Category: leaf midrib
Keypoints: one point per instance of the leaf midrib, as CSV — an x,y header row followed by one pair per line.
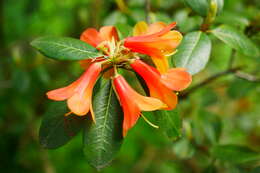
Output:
x,y
192,50
66,46
104,124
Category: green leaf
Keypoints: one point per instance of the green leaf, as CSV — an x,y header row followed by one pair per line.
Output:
x,y
234,154
183,148
208,126
202,6
210,169
169,122
193,53
103,139
124,30
237,20
236,40
220,4
64,48
199,6
56,129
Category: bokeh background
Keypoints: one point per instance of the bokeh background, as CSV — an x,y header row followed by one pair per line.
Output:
x,y
225,110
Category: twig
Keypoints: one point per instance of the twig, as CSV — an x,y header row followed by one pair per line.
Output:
x,y
209,80
247,76
147,10
232,59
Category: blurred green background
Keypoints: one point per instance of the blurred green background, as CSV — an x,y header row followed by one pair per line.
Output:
x,y
224,111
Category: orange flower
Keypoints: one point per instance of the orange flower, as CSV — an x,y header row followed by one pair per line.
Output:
x,y
95,38
133,103
79,93
156,40
161,86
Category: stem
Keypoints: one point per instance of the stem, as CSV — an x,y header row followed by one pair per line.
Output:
x,y
232,59
209,80
147,10
213,7
247,76
115,71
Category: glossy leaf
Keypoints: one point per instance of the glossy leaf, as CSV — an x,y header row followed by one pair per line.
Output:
x,y
234,153
56,129
236,40
169,122
64,48
103,139
193,53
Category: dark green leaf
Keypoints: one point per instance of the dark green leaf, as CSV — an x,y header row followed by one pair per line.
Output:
x,y
103,139
56,129
210,169
234,153
64,48
169,122
236,40
256,170
193,53
244,89
208,125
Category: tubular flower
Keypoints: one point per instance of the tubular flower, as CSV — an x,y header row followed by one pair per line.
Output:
x,y
161,85
93,37
79,93
156,40
133,103
101,39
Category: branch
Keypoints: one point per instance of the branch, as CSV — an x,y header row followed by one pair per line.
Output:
x,y
247,76
209,80
147,10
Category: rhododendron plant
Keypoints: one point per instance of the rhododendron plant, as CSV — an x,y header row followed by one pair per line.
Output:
x,y
144,55
157,41
151,86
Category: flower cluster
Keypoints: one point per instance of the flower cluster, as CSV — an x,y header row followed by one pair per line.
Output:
x,y
156,40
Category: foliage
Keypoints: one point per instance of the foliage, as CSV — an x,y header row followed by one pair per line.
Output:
x,y
216,127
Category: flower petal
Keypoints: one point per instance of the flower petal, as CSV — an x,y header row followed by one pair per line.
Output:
x,y
79,103
156,87
162,64
176,79
140,28
158,41
156,27
64,93
161,92
108,32
130,108
148,103
91,36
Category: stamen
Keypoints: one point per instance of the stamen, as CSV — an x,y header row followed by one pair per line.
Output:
x,y
67,114
149,122
115,71
172,53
